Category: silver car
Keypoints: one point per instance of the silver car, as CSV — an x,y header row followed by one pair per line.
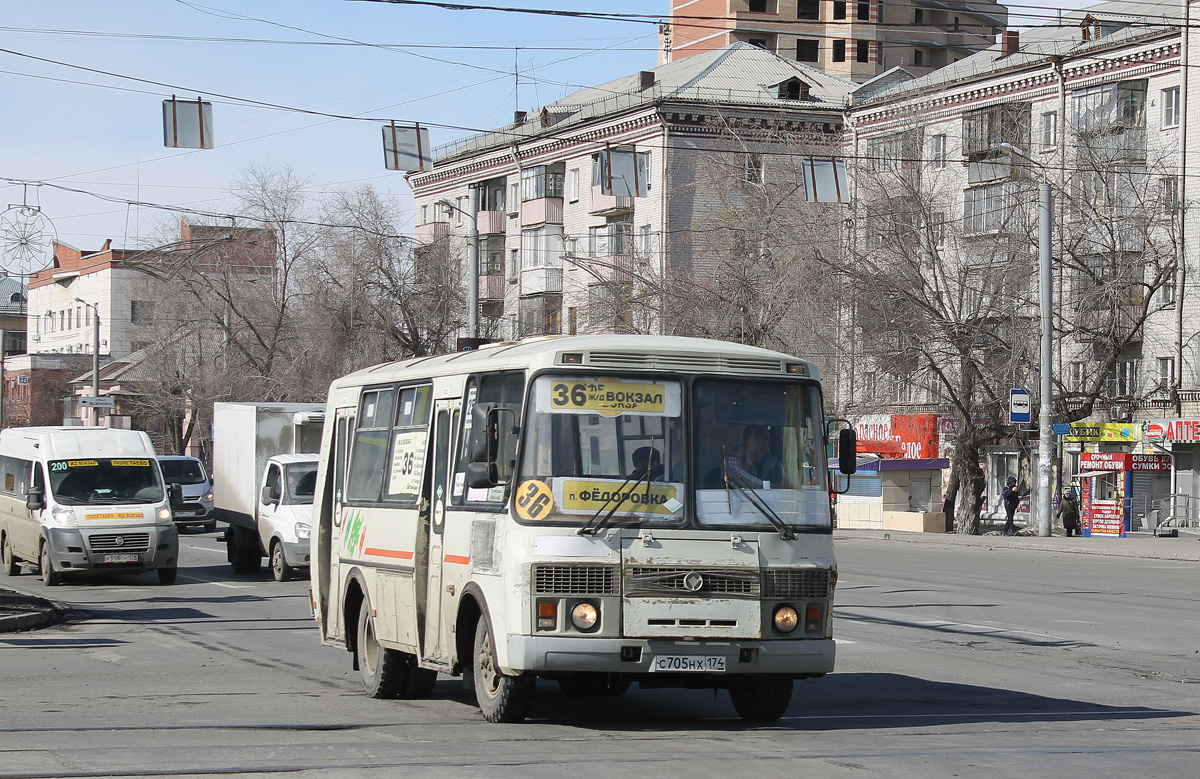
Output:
x,y
193,479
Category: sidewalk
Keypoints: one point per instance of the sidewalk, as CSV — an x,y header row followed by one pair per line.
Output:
x,y
19,611
1144,545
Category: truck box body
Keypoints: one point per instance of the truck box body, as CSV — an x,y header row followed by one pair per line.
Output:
x,y
244,436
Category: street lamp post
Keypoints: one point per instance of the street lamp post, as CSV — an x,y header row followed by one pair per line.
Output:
x,y
472,265
1045,302
95,350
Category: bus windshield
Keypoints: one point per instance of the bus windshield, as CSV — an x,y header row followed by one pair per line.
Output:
x,y
759,442
599,444
105,481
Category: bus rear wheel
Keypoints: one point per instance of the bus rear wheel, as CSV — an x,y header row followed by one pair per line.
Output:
x,y
761,698
501,698
383,670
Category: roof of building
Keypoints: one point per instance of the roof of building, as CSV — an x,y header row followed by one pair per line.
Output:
x,y
738,74
1121,21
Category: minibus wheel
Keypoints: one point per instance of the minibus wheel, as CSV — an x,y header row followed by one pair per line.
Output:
x,y
279,564
168,575
383,670
761,698
50,577
501,698
12,566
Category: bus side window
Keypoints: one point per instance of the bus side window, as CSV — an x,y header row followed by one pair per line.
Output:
x,y
507,390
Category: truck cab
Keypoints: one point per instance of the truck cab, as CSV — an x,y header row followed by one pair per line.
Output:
x,y
284,513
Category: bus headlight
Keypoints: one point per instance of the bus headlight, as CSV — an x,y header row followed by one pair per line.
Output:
x,y
164,514
786,619
585,616
63,516
303,531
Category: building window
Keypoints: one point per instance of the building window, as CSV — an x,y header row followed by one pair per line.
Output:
x,y
573,184
864,11
1168,194
1048,130
985,208
759,6
612,239
645,240
1077,376
141,311
984,129
492,262
839,9
1170,107
761,43
458,210
1122,382
753,169
919,16
424,215
1166,372
808,9
542,181
918,57
864,51
1111,106
541,315
937,153
541,248
808,50
839,50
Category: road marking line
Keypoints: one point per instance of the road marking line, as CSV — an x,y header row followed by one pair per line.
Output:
x,y
206,549
219,584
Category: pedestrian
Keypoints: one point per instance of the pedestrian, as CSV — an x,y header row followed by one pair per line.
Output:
x,y
1011,498
1068,512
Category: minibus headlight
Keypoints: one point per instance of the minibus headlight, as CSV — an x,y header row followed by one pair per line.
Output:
x,y
208,497
164,514
303,531
786,619
63,516
585,616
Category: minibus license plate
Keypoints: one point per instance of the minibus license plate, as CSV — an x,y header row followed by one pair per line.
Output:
x,y
688,663
120,558
184,514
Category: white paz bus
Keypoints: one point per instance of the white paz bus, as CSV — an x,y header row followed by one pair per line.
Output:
x,y
594,510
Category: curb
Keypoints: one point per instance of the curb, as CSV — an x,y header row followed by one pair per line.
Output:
x,y
1182,548
19,611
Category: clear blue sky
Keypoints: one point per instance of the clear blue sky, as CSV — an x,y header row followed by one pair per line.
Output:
x,y
69,128
102,134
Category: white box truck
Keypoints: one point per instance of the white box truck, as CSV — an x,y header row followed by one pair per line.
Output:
x,y
261,454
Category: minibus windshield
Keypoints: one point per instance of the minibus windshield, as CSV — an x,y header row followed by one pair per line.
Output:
x,y
105,481
183,471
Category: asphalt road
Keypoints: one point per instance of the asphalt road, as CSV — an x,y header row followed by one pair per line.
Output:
x,y
953,661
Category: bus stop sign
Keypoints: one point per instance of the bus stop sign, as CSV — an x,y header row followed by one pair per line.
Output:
x,y
1019,407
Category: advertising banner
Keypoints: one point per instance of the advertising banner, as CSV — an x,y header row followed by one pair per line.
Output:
x,y
903,436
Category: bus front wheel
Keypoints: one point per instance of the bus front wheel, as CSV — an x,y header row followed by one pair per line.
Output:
x,y
50,577
501,698
761,698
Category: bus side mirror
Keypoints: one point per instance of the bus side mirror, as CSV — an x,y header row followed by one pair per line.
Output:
x,y
847,456
34,499
485,434
482,475
175,495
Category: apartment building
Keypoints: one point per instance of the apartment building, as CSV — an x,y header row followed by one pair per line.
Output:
x,y
855,39
1094,108
583,210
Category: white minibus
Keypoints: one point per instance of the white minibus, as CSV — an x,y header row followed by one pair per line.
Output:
x,y
593,510
84,499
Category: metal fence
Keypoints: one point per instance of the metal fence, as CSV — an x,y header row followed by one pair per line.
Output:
x,y
1172,511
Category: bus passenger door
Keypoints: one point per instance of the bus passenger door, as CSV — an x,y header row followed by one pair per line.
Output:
x,y
434,648
331,567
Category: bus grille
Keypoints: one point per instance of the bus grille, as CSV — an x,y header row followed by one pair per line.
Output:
x,y
685,362
797,583
119,542
575,580
646,581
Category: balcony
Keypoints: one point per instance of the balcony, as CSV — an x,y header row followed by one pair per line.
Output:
x,y
1108,325
491,287
490,222
609,205
614,267
430,232
537,281
543,210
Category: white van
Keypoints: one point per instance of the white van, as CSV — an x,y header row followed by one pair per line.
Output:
x,y
285,511
78,499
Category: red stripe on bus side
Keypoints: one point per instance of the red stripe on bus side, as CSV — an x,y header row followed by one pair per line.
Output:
x,y
457,558
389,553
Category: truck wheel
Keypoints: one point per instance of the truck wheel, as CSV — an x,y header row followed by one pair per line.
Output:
x,y
50,577
761,698
279,566
12,566
501,698
242,550
168,575
383,670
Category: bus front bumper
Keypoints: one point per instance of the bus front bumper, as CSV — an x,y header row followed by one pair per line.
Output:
x,y
139,548
562,654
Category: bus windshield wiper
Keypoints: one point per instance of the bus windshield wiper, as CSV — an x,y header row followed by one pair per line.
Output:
x,y
750,493
598,523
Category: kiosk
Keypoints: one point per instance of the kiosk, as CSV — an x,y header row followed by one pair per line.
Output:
x,y
1107,487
